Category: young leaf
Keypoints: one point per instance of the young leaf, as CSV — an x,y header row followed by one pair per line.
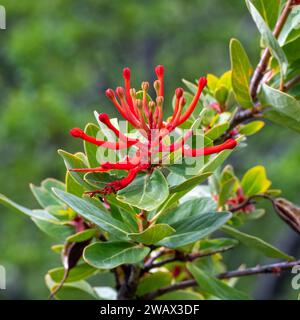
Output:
x,y
72,186
153,234
108,255
89,148
214,286
256,243
255,181
251,128
195,228
147,191
226,190
268,37
216,131
241,72
73,162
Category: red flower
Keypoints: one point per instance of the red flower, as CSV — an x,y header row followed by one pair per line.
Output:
x,y
147,117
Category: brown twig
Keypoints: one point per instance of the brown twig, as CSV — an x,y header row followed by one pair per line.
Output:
x,y
291,83
249,201
155,256
184,257
275,268
263,63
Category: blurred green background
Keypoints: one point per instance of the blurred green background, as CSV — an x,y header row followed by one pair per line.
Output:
x,y
57,58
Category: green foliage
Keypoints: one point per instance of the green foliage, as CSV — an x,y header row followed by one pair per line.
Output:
x,y
164,212
241,72
108,255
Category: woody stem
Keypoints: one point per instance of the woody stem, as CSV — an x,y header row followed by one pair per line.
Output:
x,y
274,268
263,63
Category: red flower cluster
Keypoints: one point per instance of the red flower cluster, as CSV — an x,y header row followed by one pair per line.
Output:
x,y
147,117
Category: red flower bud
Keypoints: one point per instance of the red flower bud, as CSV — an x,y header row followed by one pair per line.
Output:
x,y
159,70
179,92
126,73
110,94
120,92
77,133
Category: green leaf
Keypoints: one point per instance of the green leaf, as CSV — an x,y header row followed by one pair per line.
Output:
x,y
283,120
189,184
292,22
37,214
72,186
74,162
108,255
82,235
195,228
43,196
216,131
214,286
50,183
153,234
212,82
251,127
255,181
93,214
280,101
154,281
80,272
80,290
181,295
56,231
207,170
99,180
221,94
241,72
89,148
256,243
147,191
188,209
226,191
209,245
268,37
269,10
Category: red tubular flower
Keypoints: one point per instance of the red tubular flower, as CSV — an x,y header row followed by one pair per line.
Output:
x,y
201,84
159,70
145,115
103,117
228,144
78,133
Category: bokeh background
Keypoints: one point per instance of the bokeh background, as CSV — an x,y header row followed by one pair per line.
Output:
x,y
56,59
